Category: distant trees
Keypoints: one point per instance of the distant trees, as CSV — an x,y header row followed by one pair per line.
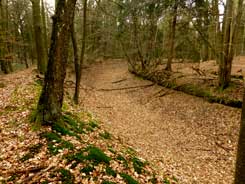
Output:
x,y
51,98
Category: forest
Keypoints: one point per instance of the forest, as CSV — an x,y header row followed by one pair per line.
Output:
x,y
122,91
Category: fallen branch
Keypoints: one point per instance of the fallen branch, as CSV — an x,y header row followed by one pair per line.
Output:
x,y
28,170
125,88
38,175
198,71
223,147
104,107
118,81
164,94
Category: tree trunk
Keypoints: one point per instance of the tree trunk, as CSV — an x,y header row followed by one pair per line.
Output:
x,y
39,37
79,71
44,23
5,66
240,162
172,36
230,33
76,63
51,99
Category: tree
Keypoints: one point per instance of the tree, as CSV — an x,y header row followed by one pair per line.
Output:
x,y
230,31
172,26
39,36
240,162
5,59
78,67
51,99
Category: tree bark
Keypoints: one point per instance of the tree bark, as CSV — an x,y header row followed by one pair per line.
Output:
x,y
44,23
230,33
5,65
79,71
39,37
240,162
76,63
172,36
49,106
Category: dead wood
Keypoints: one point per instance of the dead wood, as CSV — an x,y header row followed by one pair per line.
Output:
x,y
192,89
37,175
125,88
118,81
223,147
28,170
198,71
104,107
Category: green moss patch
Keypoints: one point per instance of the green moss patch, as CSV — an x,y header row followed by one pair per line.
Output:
x,y
138,165
110,171
32,151
105,135
128,179
66,176
87,169
56,143
123,160
97,155
107,182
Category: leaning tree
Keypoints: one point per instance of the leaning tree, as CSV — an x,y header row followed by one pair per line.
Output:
x,y
51,99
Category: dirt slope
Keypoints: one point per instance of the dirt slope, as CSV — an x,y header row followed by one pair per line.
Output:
x,y
186,136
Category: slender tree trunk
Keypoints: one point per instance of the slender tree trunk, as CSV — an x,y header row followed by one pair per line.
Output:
x,y
39,37
172,36
4,64
78,73
76,63
230,35
51,99
44,23
240,161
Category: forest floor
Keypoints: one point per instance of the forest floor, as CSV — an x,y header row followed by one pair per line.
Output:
x,y
183,135
75,150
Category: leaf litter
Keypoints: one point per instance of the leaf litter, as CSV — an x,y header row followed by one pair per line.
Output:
x,y
84,151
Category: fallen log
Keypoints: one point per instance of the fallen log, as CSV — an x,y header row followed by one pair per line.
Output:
x,y
187,88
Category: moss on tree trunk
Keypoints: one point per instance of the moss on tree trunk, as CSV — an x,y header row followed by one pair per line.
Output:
x,y
51,98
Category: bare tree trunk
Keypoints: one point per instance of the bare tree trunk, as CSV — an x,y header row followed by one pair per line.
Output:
x,y
240,161
172,36
44,23
39,37
51,99
229,38
79,71
76,63
5,65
